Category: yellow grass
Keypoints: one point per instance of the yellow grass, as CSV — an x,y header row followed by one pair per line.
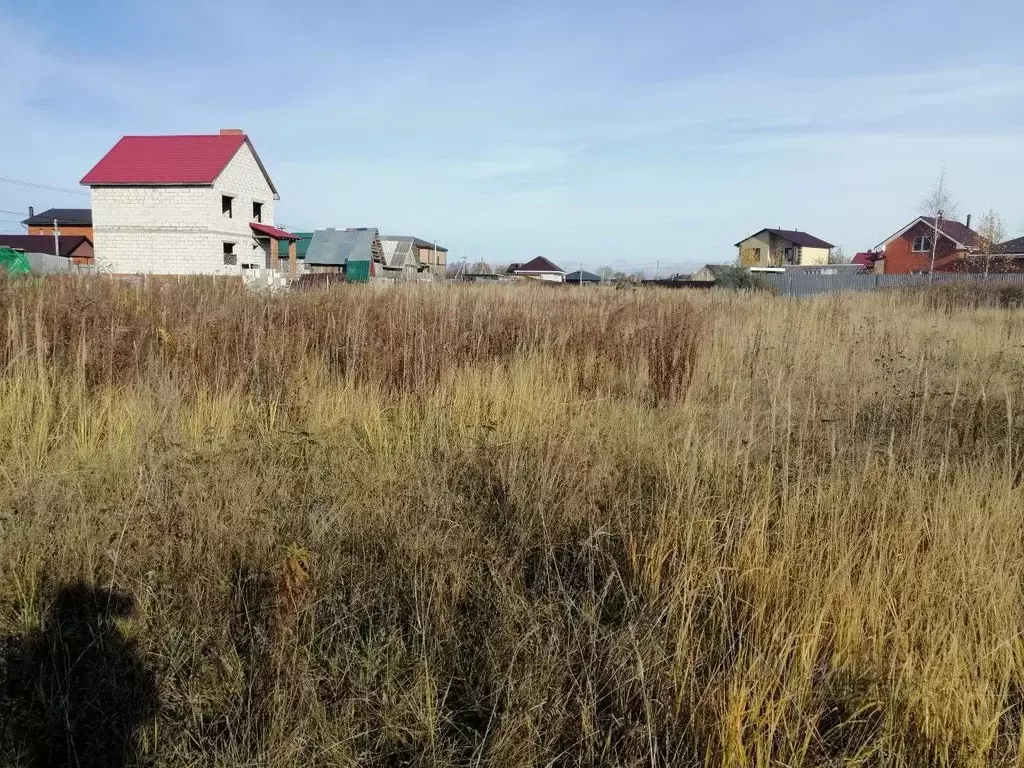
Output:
x,y
522,527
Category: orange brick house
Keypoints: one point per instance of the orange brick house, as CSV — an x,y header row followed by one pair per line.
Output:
x,y
73,222
909,251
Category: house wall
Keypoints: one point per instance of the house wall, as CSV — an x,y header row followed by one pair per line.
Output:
x,y
813,256
901,260
433,258
181,230
745,248
547,277
243,180
69,231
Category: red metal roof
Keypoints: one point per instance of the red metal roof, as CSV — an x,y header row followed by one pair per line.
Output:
x,y
274,232
866,258
166,160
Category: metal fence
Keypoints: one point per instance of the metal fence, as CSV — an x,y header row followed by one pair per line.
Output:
x,y
790,284
48,264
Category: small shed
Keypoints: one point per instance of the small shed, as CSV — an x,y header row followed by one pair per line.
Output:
x,y
352,252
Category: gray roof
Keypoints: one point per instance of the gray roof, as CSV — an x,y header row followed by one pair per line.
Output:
x,y
587,277
1010,247
333,247
418,242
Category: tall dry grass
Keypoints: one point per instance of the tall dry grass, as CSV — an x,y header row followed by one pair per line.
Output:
x,y
479,525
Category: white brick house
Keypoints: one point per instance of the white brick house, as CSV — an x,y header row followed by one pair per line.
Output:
x,y
184,205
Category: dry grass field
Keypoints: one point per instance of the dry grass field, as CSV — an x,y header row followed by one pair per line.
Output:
x,y
508,526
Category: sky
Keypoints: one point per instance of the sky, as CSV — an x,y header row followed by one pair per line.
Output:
x,y
650,135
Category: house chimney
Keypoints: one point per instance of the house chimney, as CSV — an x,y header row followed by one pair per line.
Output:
x,y
968,221
31,211
232,132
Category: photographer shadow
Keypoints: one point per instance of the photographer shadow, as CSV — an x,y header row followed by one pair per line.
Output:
x,y
77,692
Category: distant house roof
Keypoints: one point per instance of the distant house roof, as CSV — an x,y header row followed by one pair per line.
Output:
x,y
1010,247
43,243
169,160
418,242
867,258
539,264
334,247
716,270
961,235
582,276
66,217
274,232
795,236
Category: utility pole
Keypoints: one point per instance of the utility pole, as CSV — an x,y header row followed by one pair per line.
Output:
x,y
581,273
657,269
56,238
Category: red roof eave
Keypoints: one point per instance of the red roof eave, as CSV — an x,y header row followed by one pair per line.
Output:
x,y
274,232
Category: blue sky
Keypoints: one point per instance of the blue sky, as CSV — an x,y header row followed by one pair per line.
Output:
x,y
602,133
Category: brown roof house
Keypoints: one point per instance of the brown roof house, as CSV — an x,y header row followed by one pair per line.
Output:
x,y
908,251
1003,258
783,247
538,269
47,253
66,221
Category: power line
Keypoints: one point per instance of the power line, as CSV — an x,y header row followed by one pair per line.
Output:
x,y
47,187
13,213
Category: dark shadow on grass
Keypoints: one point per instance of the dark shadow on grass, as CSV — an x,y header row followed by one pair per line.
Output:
x,y
76,691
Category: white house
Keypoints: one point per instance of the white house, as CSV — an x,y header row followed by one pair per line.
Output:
x,y
199,205
539,269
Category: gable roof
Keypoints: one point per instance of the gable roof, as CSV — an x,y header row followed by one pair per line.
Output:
x,y
581,275
716,270
418,242
1014,247
43,243
269,231
539,264
66,217
169,160
332,247
961,235
400,252
795,236
866,258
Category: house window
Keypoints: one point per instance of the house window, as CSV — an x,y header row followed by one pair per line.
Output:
x,y
922,244
226,202
230,257
788,253
257,211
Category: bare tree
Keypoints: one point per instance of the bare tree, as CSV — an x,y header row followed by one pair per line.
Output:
x,y
939,204
607,274
991,231
838,256
481,268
